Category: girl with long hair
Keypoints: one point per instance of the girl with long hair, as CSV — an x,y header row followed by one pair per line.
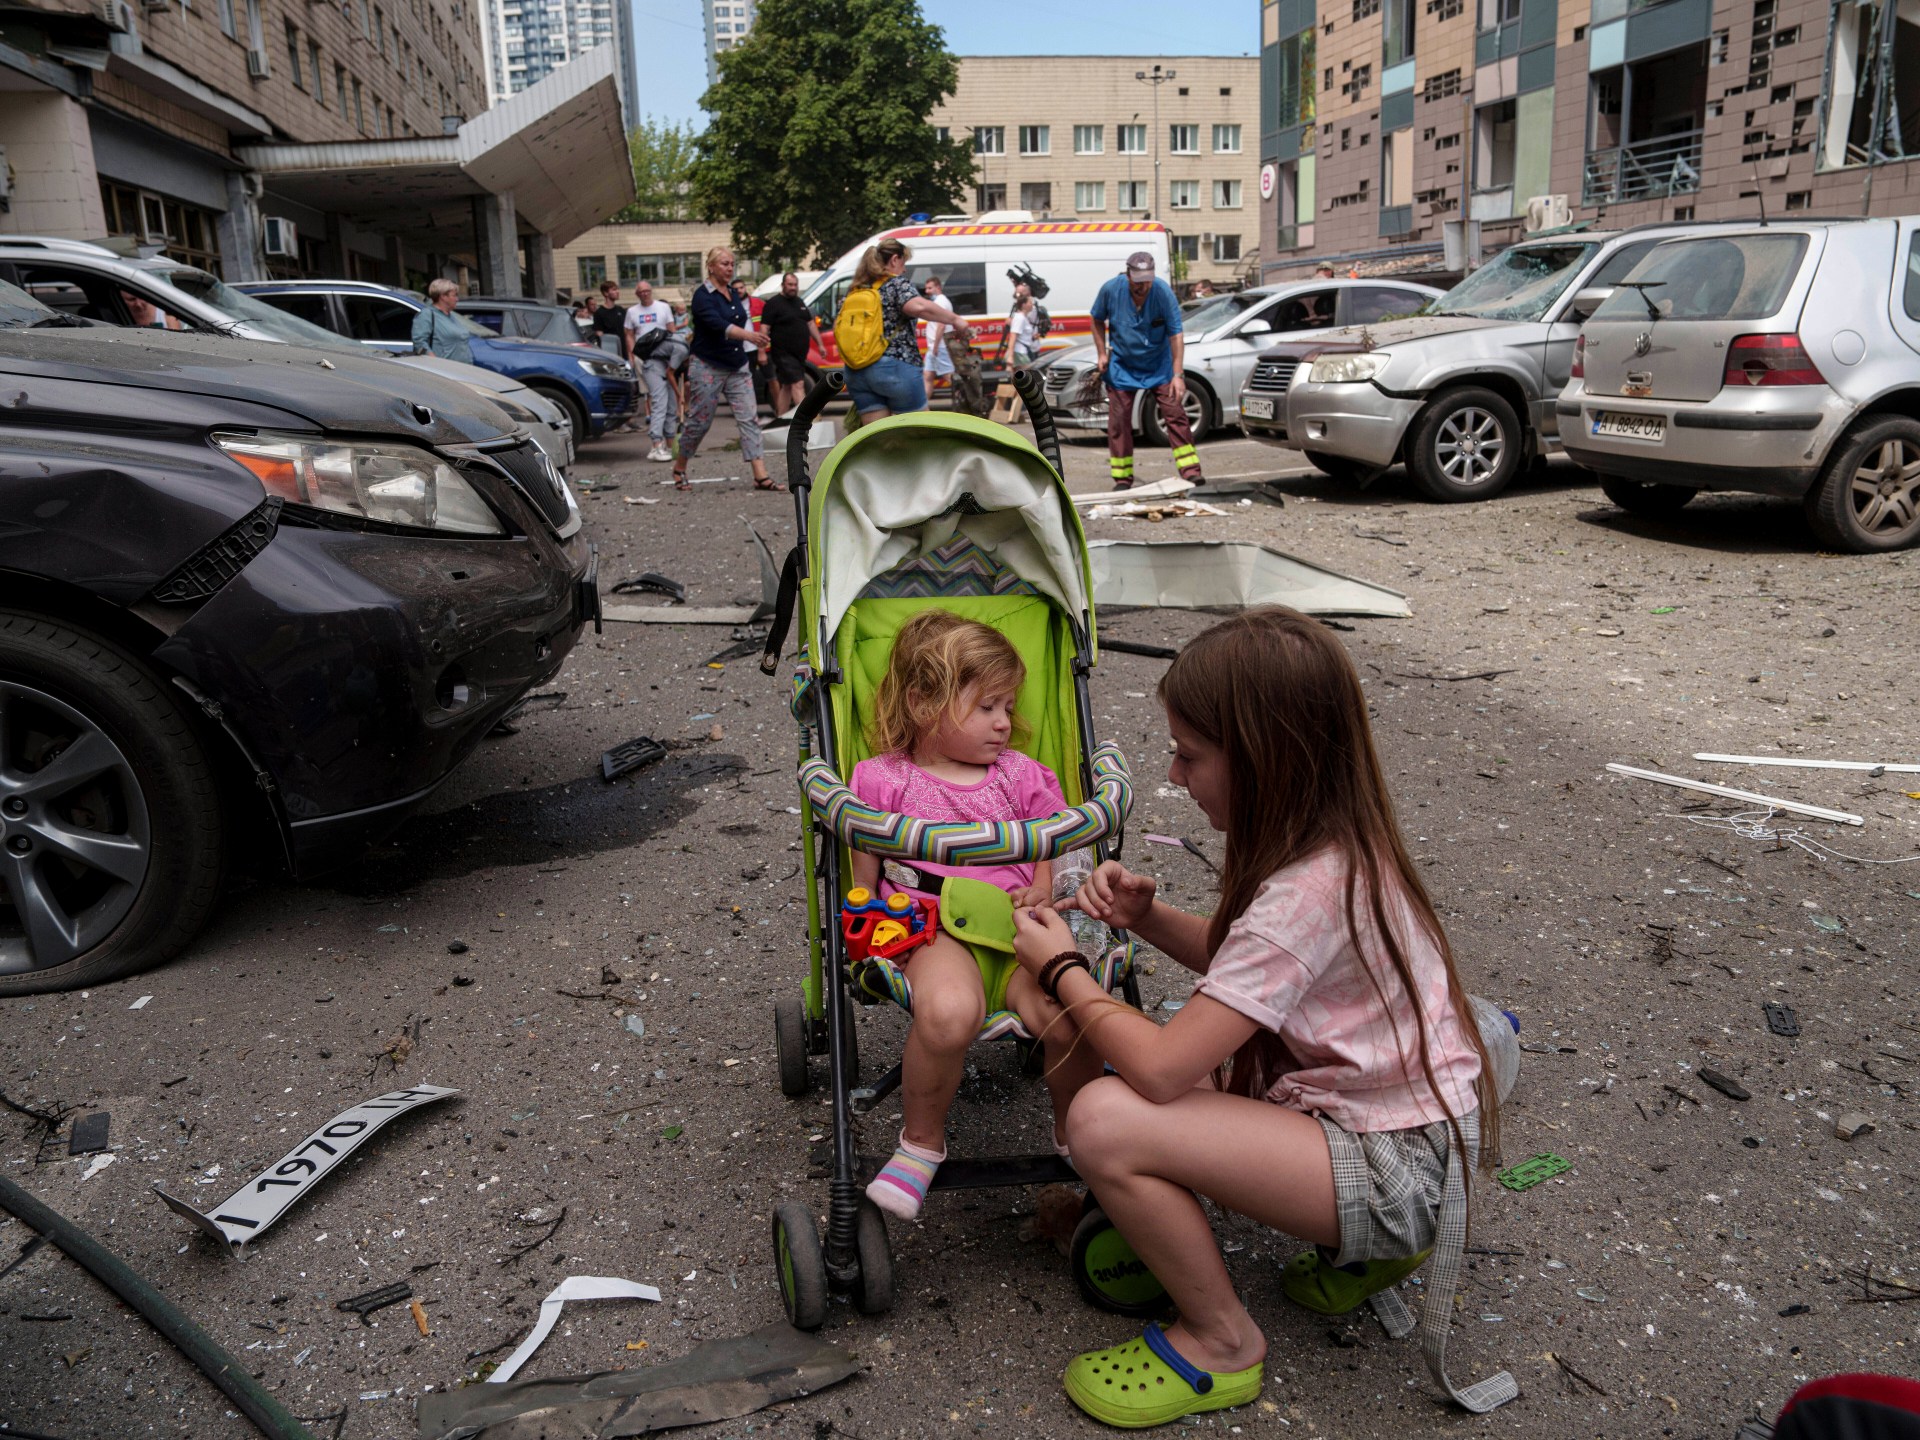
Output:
x,y
1327,1078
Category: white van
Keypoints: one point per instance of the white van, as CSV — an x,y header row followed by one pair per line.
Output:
x,y
971,259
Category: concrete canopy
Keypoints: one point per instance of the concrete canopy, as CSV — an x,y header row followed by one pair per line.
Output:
x,y
559,148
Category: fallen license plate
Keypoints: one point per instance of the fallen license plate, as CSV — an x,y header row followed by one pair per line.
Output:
x,y
1256,409
1630,427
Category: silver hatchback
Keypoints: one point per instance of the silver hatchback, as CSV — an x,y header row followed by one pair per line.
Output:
x,y
1783,360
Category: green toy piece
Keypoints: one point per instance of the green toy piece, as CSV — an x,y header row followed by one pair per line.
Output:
x,y
1529,1173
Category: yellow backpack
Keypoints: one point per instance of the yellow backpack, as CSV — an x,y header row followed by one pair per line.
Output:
x,y
860,329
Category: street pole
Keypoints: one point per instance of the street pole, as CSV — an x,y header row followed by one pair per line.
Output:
x,y
1156,78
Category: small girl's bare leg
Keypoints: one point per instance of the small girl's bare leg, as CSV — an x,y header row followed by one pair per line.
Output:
x,y
948,1006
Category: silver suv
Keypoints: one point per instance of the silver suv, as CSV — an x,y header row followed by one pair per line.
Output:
x,y
1465,391
1782,359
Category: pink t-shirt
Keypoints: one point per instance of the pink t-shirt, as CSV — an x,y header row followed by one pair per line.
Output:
x,y
1290,964
1017,787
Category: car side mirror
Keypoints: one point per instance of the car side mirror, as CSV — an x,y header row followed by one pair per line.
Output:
x,y
1585,302
1259,325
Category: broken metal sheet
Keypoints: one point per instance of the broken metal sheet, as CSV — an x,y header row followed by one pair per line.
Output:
x,y
1158,490
720,1380
680,614
574,1287
1153,510
265,1198
1727,792
1229,574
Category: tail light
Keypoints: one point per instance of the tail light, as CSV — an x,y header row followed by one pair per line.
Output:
x,y
1770,360
1580,358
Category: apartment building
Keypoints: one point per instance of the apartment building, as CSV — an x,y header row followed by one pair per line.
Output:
x,y
524,40
1382,120
1085,137
727,23
264,138
670,255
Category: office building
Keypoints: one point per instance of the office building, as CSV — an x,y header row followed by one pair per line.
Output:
x,y
727,23
524,40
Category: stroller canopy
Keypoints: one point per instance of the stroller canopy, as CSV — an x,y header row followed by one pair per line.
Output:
x,y
914,485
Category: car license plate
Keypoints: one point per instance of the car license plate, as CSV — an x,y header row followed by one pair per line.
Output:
x,y
1256,409
1630,427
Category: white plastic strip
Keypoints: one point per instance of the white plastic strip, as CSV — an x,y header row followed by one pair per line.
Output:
x,y
574,1287
265,1198
1795,763
1839,817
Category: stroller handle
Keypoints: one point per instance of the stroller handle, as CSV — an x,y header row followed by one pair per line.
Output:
x,y
1033,394
798,434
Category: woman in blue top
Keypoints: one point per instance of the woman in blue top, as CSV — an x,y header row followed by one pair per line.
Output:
x,y
437,330
722,335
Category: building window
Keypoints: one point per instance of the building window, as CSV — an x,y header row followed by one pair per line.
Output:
x,y
1865,120
1183,194
228,26
1133,139
1133,195
340,84
1494,13
1363,8
1226,139
593,269
293,57
628,270
1036,197
1226,194
1183,139
1089,139
380,29
313,69
990,197
1399,31
941,134
1089,194
185,231
1226,249
359,110
1295,64
990,140
1036,140
1185,247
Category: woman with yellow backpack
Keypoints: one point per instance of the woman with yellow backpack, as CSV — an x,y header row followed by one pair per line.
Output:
x,y
878,339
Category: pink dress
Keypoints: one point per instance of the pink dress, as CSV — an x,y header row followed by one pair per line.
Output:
x,y
1291,965
1017,787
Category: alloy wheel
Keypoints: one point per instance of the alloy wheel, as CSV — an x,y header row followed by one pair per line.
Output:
x,y
1470,445
1885,493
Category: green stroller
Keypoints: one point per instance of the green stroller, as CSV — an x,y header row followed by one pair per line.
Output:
x,y
916,511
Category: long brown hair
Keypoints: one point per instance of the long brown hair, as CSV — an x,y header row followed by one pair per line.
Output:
x,y
1277,694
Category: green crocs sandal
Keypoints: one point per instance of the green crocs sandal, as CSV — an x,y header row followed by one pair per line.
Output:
x,y
1311,1280
1147,1382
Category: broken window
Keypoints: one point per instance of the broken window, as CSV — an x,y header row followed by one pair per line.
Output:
x,y
1872,84
1644,127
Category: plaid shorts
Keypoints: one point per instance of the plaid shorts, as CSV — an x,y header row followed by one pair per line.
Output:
x,y
1388,1186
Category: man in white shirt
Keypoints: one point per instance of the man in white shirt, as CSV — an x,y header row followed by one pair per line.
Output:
x,y
933,335
643,320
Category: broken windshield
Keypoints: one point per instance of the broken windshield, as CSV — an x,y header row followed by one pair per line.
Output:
x,y
19,310
1520,284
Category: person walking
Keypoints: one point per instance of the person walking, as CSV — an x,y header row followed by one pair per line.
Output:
x,y
1137,339
933,340
722,335
891,385
436,331
609,321
648,330
792,329
1020,339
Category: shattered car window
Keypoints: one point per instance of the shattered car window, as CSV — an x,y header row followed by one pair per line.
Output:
x,y
1731,277
19,310
1521,284
237,305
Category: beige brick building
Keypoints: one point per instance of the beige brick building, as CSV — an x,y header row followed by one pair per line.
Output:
x,y
669,254
1076,138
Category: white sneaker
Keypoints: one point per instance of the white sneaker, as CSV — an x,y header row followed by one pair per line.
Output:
x,y
659,452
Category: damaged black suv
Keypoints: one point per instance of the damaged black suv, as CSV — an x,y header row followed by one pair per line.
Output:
x,y
251,598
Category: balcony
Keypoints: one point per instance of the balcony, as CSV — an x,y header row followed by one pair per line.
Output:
x,y
1648,169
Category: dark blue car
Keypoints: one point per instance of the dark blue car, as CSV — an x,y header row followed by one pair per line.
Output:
x,y
593,388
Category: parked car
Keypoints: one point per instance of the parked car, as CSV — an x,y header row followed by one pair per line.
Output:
x,y
525,319
1464,393
253,604
1783,360
86,280
593,389
1223,335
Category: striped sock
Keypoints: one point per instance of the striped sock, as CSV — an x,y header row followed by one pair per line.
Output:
x,y
901,1186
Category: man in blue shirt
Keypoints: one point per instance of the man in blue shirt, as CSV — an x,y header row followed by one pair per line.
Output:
x,y
1136,334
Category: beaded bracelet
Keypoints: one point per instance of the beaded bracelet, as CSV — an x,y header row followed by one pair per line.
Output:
x,y
1056,971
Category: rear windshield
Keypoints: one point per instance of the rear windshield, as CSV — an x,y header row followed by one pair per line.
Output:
x,y
1720,277
1520,284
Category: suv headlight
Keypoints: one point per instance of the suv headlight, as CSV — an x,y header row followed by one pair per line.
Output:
x,y
1348,369
395,484
606,369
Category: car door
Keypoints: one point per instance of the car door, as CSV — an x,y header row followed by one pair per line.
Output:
x,y
1556,356
379,321
76,290
1371,304
1262,325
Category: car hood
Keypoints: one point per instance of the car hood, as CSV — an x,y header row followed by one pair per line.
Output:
x,y
520,345
1397,333
334,392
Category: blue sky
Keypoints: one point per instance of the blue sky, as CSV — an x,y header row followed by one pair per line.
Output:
x,y
674,70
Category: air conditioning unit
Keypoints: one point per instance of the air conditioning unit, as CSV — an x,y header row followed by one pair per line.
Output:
x,y
257,65
278,239
1548,212
118,14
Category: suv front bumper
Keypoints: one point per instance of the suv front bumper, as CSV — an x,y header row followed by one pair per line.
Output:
x,y
1353,422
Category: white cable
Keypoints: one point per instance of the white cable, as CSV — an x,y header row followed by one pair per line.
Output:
x,y
1756,825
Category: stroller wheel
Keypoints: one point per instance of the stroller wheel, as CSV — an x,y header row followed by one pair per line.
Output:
x,y
801,1266
874,1293
790,1043
1107,1271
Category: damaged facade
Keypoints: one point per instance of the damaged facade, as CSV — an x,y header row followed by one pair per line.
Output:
x,y
1381,120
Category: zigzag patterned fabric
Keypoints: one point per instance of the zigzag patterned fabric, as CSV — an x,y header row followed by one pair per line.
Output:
x,y
881,977
959,567
973,842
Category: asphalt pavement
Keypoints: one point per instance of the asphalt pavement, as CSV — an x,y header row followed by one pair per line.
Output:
x,y
594,965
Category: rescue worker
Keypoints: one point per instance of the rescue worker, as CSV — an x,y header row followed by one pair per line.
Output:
x,y
1136,335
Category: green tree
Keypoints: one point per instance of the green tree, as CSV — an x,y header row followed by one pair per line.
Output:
x,y
662,154
818,133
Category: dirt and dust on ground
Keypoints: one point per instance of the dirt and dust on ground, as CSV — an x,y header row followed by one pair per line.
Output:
x,y
1702,1257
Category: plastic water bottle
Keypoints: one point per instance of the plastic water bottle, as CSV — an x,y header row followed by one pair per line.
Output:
x,y
1499,1032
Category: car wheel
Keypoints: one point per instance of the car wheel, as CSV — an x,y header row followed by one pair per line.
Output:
x,y
1199,405
1641,497
110,824
575,412
1465,446
1338,467
1869,498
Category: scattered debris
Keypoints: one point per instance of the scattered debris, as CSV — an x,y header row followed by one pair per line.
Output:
x,y
366,1303
630,755
1683,1096
636,1027
1529,1173
97,1164
1153,511
1573,1374
1377,535
1199,574
719,1380
1792,1310
1267,492
89,1134
141,1003
652,584
545,1235
1781,1020
34,1242
1725,1084
1129,647
1170,489
1839,817
420,1317
1853,1124
574,1287
247,1212
1476,675
457,947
